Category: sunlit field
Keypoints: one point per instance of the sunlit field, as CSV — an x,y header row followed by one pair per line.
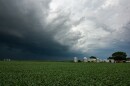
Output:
x,y
27,73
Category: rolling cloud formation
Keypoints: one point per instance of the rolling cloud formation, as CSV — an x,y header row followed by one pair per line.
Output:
x,y
59,29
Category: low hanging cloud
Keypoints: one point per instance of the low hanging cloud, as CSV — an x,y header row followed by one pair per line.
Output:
x,y
57,29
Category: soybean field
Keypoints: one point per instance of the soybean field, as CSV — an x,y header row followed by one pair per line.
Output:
x,y
32,73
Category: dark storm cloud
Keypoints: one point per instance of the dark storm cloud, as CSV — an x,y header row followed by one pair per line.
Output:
x,y
22,33
57,29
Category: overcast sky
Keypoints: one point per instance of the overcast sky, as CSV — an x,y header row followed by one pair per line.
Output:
x,y
62,29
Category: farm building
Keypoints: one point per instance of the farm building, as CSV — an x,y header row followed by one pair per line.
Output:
x,y
7,59
98,60
75,59
111,60
85,59
128,59
106,60
120,61
92,60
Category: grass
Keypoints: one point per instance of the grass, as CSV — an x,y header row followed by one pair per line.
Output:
x,y
27,73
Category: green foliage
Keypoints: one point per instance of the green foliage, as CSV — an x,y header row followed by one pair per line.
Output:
x,y
110,57
79,61
119,55
93,57
63,74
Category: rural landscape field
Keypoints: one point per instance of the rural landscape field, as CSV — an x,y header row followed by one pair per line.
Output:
x,y
31,73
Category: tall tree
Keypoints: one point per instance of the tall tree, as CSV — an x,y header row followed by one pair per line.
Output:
x,y
119,55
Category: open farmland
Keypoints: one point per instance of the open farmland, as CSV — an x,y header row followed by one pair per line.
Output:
x,y
27,73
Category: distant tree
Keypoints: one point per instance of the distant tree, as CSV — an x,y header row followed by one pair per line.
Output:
x,y
79,61
93,57
119,55
110,58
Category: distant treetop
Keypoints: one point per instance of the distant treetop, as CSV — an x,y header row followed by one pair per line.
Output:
x,y
93,57
119,55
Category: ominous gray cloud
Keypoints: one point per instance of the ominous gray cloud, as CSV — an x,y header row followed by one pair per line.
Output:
x,y
24,33
60,29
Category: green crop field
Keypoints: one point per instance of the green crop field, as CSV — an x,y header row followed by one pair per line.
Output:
x,y
27,73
